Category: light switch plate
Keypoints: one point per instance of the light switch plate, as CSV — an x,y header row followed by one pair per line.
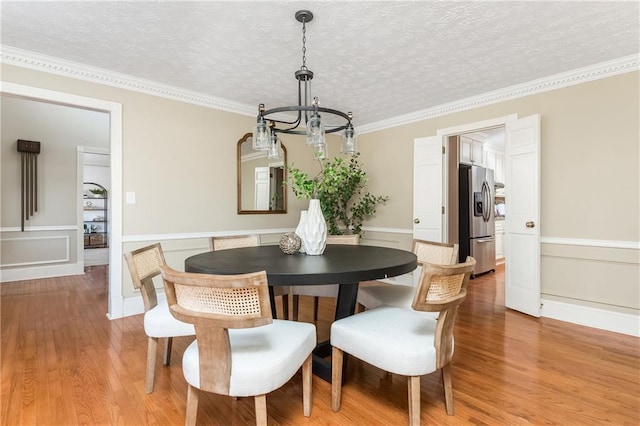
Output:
x,y
131,197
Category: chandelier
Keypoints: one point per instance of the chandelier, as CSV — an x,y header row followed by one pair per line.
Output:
x,y
265,133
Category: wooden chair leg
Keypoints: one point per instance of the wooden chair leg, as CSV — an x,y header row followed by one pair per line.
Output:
x,y
448,388
307,387
167,351
192,406
336,378
152,347
414,400
261,410
315,308
296,301
285,306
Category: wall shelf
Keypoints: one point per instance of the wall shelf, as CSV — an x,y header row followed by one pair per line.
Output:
x,y
95,220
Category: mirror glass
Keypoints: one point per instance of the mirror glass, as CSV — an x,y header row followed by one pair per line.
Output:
x,y
260,180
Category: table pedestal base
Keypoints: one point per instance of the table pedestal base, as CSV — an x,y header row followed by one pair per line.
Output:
x,y
345,306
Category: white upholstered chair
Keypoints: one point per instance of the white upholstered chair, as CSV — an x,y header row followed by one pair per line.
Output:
x,y
144,264
372,294
239,349
317,291
404,341
237,241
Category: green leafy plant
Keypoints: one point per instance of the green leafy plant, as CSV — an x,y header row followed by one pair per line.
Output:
x,y
340,187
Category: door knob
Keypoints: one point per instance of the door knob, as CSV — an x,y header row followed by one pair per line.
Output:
x,y
416,220
530,224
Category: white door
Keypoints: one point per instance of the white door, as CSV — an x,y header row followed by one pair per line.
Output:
x,y
427,188
262,188
522,238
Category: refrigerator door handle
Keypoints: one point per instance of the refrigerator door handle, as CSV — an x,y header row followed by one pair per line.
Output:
x,y
486,201
484,240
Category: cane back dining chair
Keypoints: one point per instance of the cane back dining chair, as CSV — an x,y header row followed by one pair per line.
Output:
x,y
237,241
317,291
403,341
372,294
240,350
144,264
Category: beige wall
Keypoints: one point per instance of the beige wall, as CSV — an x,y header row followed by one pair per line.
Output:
x,y
180,160
590,182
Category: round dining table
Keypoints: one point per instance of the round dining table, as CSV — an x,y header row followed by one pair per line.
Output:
x,y
345,265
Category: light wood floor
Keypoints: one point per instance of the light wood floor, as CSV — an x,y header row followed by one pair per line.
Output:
x,y
65,363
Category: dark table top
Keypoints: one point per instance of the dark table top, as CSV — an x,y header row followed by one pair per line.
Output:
x,y
338,264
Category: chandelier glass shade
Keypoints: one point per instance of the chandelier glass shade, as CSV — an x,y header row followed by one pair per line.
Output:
x,y
308,114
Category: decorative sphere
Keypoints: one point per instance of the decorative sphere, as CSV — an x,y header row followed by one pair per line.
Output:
x,y
290,243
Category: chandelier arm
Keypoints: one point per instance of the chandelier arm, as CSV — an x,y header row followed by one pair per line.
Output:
x,y
294,123
300,108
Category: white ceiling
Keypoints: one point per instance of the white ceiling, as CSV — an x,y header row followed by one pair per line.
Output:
x,y
377,59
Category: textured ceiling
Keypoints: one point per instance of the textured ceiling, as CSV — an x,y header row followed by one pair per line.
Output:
x,y
377,59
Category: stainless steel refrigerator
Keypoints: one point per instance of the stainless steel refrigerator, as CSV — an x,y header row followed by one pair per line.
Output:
x,y
476,217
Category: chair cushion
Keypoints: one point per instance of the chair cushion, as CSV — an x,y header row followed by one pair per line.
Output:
x,y
262,358
394,339
386,294
159,322
326,290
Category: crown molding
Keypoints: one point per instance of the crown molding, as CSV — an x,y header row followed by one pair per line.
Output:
x,y
35,61
581,75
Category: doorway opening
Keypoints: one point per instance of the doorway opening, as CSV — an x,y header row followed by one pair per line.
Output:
x,y
96,193
477,149
116,301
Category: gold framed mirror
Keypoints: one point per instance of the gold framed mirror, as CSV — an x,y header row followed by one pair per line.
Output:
x,y
260,180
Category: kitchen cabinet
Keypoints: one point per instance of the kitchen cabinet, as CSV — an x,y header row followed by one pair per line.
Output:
x,y
471,151
95,215
494,159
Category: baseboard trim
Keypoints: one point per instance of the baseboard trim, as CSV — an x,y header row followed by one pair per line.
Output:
x,y
592,317
34,273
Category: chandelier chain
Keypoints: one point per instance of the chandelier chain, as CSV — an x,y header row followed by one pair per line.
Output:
x,y
304,46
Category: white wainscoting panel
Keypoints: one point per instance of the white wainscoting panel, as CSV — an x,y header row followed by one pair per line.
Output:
x,y
34,250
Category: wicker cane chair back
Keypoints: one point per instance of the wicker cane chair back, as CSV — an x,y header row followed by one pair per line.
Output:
x,y
437,253
223,243
353,240
224,301
144,264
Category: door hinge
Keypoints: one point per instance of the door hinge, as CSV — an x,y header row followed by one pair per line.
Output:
x,y
442,149
442,209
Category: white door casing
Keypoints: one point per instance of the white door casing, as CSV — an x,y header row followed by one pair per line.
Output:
x,y
522,238
427,188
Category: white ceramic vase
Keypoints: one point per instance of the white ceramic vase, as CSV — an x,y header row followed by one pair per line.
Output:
x,y
314,230
300,229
